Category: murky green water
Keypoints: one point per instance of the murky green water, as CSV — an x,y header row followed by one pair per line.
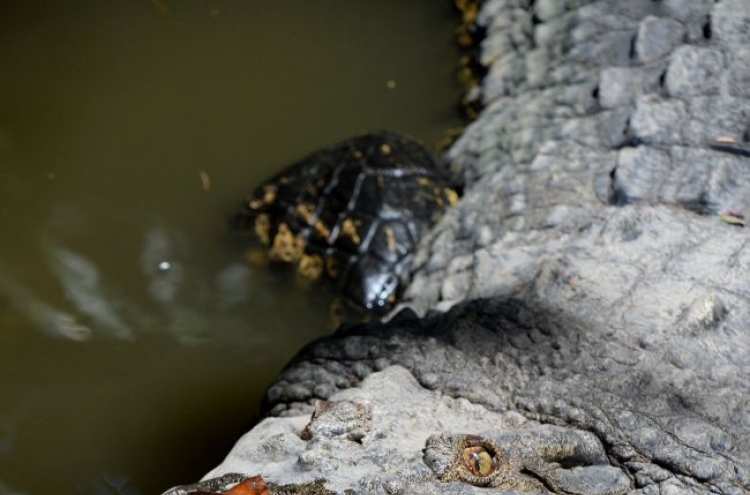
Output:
x,y
135,342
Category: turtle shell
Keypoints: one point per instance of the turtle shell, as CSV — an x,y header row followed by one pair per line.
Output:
x,y
353,213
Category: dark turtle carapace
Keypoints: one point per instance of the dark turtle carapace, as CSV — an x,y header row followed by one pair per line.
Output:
x,y
353,213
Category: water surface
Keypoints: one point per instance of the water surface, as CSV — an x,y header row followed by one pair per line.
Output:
x,y
135,339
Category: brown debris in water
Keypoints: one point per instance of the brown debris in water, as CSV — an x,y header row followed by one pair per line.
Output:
x,y
205,180
162,8
448,137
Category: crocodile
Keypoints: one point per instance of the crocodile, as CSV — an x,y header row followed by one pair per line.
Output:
x,y
578,322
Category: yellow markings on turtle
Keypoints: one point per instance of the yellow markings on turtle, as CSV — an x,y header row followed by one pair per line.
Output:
x,y
479,461
349,229
423,181
451,196
358,154
310,266
269,194
470,107
464,37
466,75
461,4
390,238
332,267
262,228
322,229
385,149
255,204
448,137
436,196
305,211
286,246
469,10
285,179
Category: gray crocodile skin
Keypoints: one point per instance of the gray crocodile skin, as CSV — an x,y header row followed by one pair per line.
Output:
x,y
595,278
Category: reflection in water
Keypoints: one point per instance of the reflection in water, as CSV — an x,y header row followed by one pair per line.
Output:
x,y
7,436
172,293
114,484
9,430
82,286
233,286
43,316
165,275
6,490
129,132
9,422
117,317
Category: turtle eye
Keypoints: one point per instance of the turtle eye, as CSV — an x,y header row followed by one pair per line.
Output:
x,y
479,461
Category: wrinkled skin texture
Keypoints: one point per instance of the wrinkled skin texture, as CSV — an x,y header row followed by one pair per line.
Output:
x,y
637,412
597,339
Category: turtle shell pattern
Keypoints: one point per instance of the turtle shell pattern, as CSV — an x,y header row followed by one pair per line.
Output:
x,y
353,213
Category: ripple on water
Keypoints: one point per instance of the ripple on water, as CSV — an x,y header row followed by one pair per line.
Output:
x,y
136,341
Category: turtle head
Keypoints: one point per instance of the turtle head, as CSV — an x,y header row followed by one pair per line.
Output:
x,y
372,286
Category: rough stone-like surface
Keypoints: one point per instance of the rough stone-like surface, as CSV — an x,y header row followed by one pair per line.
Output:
x,y
387,455
591,285
591,106
609,403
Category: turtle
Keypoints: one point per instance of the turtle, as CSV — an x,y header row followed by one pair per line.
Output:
x,y
352,213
